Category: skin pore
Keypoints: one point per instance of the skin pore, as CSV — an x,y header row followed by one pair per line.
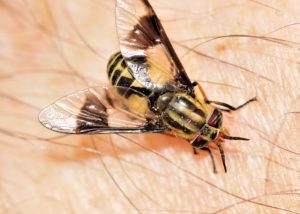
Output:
x,y
236,49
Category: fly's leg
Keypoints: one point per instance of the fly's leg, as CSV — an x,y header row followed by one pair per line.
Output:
x,y
210,154
200,89
226,106
222,156
195,151
211,157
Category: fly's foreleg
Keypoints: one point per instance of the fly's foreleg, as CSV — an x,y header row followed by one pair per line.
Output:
x,y
221,105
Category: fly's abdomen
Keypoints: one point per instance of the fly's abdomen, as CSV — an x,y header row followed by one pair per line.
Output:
x,y
184,116
117,70
136,96
120,76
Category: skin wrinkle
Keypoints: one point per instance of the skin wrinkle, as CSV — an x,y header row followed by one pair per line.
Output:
x,y
54,48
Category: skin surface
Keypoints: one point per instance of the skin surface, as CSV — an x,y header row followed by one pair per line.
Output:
x,y
52,48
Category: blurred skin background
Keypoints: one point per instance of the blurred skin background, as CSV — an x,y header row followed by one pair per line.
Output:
x,y
236,49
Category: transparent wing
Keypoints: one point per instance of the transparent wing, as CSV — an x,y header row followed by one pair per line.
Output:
x,y
147,49
95,110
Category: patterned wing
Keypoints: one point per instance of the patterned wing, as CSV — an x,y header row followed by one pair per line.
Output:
x,y
147,49
95,111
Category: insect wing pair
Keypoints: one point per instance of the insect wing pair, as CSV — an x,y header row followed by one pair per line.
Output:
x,y
153,62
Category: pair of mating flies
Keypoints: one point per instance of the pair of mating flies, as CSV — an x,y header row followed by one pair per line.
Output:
x,y
150,91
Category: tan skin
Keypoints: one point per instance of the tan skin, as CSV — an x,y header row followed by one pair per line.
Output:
x,y
50,49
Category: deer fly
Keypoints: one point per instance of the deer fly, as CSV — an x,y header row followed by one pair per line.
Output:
x,y
149,92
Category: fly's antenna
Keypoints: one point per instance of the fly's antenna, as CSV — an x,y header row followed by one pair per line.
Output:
x,y
232,137
227,137
222,156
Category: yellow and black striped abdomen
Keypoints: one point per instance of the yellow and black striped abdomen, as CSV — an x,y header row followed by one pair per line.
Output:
x,y
117,70
137,96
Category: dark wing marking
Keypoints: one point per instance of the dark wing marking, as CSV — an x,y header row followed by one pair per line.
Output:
x,y
147,49
94,111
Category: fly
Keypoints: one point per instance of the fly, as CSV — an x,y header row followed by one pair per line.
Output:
x,y
149,91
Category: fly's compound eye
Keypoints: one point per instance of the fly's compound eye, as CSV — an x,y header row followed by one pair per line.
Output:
x,y
199,142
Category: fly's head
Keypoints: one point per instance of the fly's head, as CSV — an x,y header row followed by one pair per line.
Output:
x,y
209,131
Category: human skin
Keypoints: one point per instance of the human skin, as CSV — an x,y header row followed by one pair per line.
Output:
x,y
52,48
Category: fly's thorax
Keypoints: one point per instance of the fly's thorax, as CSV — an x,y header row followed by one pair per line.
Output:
x,y
182,114
163,101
